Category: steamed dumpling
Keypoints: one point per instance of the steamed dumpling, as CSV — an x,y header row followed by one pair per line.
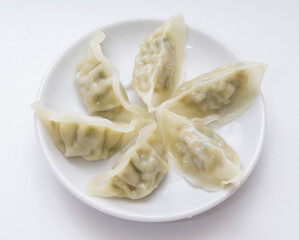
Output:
x,y
98,85
160,64
138,171
92,138
200,155
220,95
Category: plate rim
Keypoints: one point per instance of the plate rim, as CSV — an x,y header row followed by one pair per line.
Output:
x,y
86,199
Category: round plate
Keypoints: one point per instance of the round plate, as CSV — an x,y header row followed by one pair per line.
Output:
x,y
174,198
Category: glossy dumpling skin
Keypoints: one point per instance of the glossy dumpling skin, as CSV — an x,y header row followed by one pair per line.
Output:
x,y
160,64
200,155
138,171
92,138
220,95
98,85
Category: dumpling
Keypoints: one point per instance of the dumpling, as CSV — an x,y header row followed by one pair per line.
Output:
x,y
220,95
98,85
137,172
92,138
200,155
160,64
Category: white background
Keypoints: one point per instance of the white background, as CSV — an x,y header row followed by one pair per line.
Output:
x,y
34,205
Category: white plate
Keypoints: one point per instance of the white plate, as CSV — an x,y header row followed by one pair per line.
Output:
x,y
174,198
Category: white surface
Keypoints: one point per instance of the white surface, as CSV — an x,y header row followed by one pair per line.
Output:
x,y
34,205
175,198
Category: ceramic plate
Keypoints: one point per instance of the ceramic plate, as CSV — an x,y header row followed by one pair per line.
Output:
x,y
174,198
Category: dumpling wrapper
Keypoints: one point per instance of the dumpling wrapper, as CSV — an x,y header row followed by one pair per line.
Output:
x,y
92,138
220,95
160,64
137,172
98,85
200,155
